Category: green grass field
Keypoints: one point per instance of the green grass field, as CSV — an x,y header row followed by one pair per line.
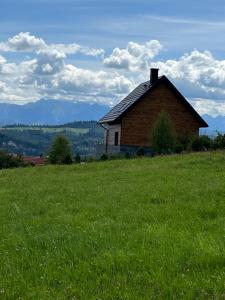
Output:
x,y
124,229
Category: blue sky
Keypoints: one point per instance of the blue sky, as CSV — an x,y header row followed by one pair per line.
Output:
x,y
179,27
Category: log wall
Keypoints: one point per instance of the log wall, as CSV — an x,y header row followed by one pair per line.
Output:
x,y
137,123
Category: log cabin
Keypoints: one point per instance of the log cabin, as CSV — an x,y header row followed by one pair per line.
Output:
x,y
128,125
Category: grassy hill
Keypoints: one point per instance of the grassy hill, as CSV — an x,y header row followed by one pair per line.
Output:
x,y
123,229
36,140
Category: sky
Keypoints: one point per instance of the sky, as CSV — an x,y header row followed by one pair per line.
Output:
x,y
98,51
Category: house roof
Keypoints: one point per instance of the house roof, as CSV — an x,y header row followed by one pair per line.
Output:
x,y
34,160
118,111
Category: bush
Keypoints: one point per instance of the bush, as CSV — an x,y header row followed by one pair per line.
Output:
x,y
179,148
219,141
60,152
140,152
8,161
184,142
77,158
202,143
162,136
104,157
127,155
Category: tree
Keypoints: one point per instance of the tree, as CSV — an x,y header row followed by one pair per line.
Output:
x,y
162,135
202,143
60,152
219,141
9,161
77,158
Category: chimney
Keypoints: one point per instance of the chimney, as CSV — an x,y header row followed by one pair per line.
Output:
x,y
154,75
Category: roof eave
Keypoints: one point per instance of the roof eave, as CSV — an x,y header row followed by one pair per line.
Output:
x,y
105,121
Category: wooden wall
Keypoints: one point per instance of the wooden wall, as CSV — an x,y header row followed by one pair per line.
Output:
x,y
136,125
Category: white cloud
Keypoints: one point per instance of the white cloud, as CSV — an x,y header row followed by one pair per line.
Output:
x,y
2,60
49,61
210,107
196,72
198,75
26,42
76,48
135,57
48,75
2,86
90,85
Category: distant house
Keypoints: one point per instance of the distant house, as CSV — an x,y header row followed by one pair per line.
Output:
x,y
34,160
128,125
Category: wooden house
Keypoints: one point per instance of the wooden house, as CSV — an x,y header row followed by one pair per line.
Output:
x,y
128,125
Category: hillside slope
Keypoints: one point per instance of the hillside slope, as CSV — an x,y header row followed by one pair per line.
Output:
x,y
36,140
124,229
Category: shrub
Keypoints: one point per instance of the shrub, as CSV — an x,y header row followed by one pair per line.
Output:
x,y
77,158
178,147
162,135
219,141
8,161
68,159
127,155
104,157
60,152
91,159
140,152
184,142
202,143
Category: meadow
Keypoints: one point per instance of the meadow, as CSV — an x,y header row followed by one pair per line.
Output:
x,y
123,229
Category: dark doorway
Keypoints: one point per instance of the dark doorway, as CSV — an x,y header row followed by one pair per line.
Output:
x,y
116,138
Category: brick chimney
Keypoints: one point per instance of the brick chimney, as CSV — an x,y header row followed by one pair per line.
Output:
x,y
154,75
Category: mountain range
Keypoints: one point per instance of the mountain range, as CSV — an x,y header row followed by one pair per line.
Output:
x,y
58,112
50,112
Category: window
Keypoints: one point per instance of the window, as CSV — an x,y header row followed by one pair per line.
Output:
x,y
116,138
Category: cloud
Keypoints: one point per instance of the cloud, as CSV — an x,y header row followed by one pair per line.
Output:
x,y
135,57
197,72
210,107
49,61
25,42
76,48
91,85
2,60
49,74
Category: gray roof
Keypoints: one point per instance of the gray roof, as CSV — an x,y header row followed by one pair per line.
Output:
x,y
128,101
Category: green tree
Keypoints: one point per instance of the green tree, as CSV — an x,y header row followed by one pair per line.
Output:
x,y
8,161
202,143
60,152
219,141
162,135
77,158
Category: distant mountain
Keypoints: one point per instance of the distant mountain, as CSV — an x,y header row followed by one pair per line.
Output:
x,y
58,112
51,112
